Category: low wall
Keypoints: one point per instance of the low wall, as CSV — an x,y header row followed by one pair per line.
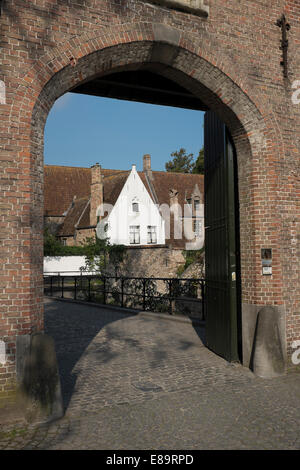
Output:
x,y
68,265
138,262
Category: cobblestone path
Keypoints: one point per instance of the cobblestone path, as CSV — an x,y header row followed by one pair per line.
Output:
x,y
143,382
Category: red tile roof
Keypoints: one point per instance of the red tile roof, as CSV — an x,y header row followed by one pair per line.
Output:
x,y
61,184
78,209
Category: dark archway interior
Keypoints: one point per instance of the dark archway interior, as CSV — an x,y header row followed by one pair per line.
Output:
x,y
142,86
157,83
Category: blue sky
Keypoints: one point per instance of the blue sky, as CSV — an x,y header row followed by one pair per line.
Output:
x,y
82,130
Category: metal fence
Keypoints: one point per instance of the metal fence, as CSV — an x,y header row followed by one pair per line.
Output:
x,y
166,295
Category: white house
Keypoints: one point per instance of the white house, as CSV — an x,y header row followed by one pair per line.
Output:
x,y
134,219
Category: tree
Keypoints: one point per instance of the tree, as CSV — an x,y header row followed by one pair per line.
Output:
x,y
181,163
99,253
199,163
95,254
52,247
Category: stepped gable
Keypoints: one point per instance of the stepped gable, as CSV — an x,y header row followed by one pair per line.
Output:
x,y
184,183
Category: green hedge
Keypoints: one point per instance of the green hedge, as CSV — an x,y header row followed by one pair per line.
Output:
x,y
53,247
91,248
66,251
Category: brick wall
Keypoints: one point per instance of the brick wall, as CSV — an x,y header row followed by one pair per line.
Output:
x,y
80,238
231,60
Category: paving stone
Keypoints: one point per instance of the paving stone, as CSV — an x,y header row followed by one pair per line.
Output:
x,y
130,382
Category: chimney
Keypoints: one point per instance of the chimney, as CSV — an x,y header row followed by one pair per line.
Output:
x,y
96,193
147,167
147,162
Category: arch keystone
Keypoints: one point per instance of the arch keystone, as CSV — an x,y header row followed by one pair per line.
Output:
x,y
164,33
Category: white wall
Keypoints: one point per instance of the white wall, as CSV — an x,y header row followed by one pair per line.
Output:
x,y
68,265
122,216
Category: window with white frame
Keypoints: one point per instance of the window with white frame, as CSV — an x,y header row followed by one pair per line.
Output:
x,y
134,234
151,234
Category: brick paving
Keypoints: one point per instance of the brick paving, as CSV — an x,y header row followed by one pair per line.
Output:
x,y
144,382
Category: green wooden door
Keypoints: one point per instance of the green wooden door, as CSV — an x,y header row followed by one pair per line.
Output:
x,y
222,303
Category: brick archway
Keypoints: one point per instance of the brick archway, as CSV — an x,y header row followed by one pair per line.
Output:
x,y
177,56
204,80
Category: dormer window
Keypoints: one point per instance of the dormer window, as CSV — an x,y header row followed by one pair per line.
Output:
x,y
135,207
196,205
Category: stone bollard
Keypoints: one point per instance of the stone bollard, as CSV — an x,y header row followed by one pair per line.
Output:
x,y
268,356
39,390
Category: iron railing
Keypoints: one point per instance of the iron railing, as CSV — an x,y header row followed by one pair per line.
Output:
x,y
166,295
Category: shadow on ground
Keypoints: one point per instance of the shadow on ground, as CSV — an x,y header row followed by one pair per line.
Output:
x,y
73,329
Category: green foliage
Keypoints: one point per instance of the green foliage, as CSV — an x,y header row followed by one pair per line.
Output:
x,y
72,250
199,163
192,256
97,252
116,254
180,269
182,162
93,246
52,247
